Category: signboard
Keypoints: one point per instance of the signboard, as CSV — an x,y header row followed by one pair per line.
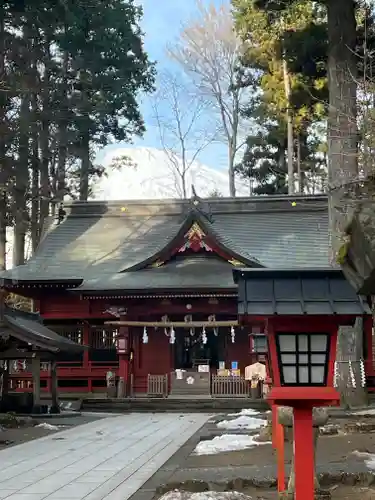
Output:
x,y
121,345
179,374
234,365
204,368
223,372
236,373
221,365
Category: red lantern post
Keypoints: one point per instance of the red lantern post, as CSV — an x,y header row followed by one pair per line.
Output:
x,y
302,355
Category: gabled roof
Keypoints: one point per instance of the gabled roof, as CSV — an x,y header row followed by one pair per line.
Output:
x,y
96,240
28,328
203,232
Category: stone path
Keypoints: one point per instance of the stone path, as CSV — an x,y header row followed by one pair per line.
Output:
x,y
109,459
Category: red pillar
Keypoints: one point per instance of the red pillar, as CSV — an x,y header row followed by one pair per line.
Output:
x,y
123,350
274,426
86,341
303,454
280,457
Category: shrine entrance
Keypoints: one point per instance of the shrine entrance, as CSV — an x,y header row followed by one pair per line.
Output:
x,y
193,348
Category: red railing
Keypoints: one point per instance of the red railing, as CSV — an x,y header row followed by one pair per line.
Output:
x,y
73,376
89,378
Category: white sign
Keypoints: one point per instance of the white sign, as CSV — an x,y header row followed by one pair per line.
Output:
x,y
190,380
179,374
204,368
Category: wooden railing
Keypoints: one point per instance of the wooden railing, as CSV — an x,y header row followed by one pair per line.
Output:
x,y
229,387
157,386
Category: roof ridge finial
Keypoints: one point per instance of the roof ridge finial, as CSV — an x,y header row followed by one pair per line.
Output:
x,y
201,206
194,195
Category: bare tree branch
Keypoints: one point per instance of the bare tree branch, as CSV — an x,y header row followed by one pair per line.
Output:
x,y
209,51
183,126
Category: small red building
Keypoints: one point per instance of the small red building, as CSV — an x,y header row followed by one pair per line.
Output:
x,y
165,270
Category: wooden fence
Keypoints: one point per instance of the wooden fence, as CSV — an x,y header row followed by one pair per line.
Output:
x,y
157,386
229,387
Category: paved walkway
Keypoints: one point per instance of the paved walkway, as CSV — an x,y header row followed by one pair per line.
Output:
x,y
108,459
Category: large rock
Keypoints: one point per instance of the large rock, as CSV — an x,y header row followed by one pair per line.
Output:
x,y
285,416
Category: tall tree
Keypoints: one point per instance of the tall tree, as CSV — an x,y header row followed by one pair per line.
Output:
x,y
209,51
183,125
344,179
289,100
71,73
111,69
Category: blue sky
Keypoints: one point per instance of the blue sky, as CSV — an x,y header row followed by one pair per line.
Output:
x,y
161,25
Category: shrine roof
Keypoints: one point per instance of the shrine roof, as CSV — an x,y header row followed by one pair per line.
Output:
x,y
28,328
182,272
292,292
101,242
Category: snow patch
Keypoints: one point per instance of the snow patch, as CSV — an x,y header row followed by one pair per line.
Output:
x,y
204,495
366,413
369,458
48,427
242,422
226,442
245,411
370,464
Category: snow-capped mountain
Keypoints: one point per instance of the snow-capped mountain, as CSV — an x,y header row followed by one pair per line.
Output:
x,y
151,175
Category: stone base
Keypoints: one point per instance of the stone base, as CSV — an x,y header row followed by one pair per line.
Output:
x,y
318,495
54,410
39,409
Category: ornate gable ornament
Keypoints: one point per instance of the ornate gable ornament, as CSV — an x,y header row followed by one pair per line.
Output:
x,y
194,240
196,211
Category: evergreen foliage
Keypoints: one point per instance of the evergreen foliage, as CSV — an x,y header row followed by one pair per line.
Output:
x,y
71,73
294,31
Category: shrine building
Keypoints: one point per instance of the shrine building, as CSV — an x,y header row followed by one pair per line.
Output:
x,y
148,286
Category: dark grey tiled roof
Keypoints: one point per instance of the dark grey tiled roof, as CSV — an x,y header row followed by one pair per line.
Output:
x,y
98,240
199,272
29,329
296,292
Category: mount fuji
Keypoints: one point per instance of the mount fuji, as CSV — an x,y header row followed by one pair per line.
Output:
x,y
151,175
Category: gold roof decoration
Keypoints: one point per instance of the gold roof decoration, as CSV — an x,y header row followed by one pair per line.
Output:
x,y
236,263
157,263
195,231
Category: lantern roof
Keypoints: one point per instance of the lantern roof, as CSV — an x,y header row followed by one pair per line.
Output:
x,y
295,292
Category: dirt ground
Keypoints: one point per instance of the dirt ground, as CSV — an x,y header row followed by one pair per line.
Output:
x,y
340,461
332,450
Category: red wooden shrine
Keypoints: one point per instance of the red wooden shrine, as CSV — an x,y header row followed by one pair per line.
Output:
x,y
143,261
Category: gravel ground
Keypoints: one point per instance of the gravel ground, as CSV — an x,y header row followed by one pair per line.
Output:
x,y
238,470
